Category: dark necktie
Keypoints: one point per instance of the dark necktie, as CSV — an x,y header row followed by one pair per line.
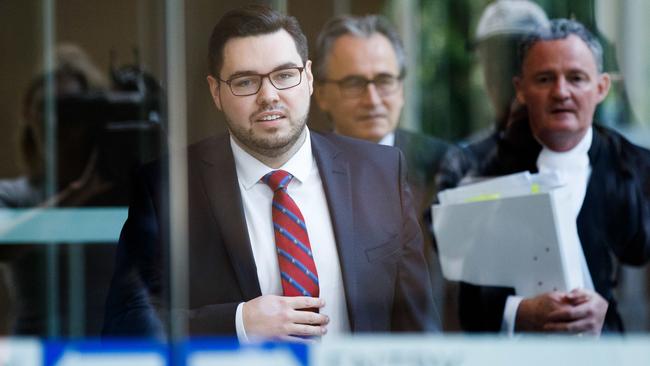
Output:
x,y
297,267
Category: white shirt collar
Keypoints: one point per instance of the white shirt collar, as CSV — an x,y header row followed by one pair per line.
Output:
x,y
576,158
250,170
388,140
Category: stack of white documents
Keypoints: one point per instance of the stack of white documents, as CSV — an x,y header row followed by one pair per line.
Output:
x,y
508,231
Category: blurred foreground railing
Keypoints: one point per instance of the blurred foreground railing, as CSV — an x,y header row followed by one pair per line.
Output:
x,y
360,350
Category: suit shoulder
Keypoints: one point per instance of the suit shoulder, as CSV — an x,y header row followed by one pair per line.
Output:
x,y
619,145
207,144
357,147
422,152
630,159
420,140
196,151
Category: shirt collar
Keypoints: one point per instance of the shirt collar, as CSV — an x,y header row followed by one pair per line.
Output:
x,y
250,170
388,140
577,157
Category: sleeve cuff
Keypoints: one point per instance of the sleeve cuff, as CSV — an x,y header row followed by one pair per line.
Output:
x,y
510,315
239,324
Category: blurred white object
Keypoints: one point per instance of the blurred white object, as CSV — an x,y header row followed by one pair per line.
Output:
x,y
504,17
509,232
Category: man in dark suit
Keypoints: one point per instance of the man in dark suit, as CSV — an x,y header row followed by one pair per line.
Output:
x,y
291,233
606,186
359,67
359,70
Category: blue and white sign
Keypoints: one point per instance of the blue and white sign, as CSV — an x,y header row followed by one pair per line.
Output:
x,y
106,353
20,352
481,351
228,352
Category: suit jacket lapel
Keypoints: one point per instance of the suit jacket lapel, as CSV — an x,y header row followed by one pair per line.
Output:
x,y
219,176
335,175
401,140
593,195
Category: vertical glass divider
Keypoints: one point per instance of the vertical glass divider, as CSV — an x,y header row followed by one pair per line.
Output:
x,y
50,161
177,129
405,11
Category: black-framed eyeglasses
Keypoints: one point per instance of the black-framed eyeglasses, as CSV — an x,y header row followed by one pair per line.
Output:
x,y
354,86
250,84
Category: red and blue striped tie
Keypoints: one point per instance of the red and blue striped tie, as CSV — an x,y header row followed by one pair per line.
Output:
x,y
297,267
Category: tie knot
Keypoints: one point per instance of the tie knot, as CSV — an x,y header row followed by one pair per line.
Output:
x,y
277,179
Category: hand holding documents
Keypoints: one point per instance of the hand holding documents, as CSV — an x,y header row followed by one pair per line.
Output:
x,y
509,231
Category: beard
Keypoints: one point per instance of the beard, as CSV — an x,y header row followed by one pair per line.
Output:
x,y
273,144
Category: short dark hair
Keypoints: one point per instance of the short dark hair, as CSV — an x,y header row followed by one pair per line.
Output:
x,y
561,29
251,20
358,26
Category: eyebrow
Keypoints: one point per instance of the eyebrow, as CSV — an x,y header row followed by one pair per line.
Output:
x,y
359,76
285,65
553,72
543,72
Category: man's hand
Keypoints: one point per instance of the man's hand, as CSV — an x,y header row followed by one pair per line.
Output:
x,y
272,316
579,311
585,315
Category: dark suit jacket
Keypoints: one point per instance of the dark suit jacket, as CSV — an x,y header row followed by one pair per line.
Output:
x,y
614,221
423,155
378,239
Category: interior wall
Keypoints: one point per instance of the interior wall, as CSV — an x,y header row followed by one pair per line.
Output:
x,y
96,26
20,39
202,117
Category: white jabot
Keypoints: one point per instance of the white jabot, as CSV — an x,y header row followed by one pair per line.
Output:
x,y
306,189
573,169
388,140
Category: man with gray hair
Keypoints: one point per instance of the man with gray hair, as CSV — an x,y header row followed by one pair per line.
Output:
x,y
359,64
359,69
606,186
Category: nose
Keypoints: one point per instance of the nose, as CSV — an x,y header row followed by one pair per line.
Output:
x,y
560,88
267,94
371,95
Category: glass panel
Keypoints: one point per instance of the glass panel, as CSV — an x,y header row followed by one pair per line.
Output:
x,y
93,90
87,101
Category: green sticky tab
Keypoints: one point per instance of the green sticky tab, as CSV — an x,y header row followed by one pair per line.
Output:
x,y
534,188
484,197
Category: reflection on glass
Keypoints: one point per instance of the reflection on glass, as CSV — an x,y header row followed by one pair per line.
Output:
x,y
103,130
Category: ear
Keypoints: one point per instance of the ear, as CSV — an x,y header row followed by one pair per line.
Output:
x,y
320,94
519,94
215,91
321,97
310,76
400,94
604,83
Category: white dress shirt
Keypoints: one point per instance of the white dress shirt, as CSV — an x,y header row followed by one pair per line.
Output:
x,y
573,169
388,140
306,189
